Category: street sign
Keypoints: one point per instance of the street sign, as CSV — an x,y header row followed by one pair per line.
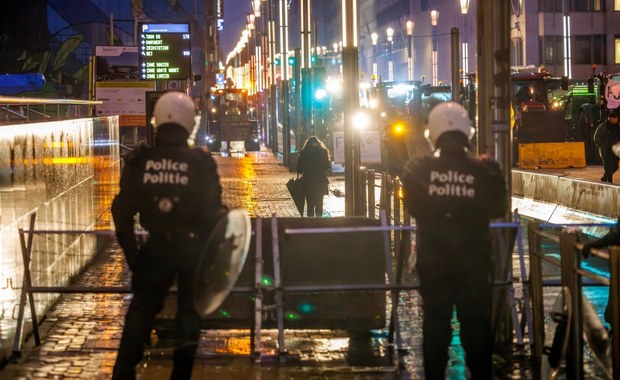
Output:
x,y
165,51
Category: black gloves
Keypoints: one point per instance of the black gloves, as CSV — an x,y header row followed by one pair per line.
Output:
x,y
127,241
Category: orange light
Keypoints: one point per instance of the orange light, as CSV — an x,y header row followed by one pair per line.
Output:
x,y
398,129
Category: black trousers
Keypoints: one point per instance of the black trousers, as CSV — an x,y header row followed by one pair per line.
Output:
x,y
610,166
161,261
314,203
447,284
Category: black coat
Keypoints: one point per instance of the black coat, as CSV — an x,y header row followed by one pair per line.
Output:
x,y
312,163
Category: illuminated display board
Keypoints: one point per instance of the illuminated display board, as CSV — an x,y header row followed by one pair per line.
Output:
x,y
165,51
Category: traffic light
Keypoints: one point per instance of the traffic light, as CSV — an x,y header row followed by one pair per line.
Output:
x,y
291,61
397,130
319,83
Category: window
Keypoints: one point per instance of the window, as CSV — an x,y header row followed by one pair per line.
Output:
x,y
587,5
589,49
550,6
617,50
517,52
616,5
552,50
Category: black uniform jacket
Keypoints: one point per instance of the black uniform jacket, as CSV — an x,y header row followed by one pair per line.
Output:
x,y
453,198
174,189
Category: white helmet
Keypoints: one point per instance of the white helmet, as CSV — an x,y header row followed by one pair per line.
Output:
x,y
447,117
175,108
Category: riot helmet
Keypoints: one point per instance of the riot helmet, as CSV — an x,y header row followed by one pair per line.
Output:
x,y
175,108
447,117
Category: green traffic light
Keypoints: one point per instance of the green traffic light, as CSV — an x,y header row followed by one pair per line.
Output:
x,y
291,61
306,308
320,94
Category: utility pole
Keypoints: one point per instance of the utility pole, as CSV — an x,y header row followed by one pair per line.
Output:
x,y
306,70
286,131
493,21
352,190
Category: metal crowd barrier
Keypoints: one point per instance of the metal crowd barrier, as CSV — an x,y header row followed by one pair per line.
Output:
x,y
393,273
279,288
572,274
26,110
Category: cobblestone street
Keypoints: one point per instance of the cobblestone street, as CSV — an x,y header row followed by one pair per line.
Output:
x,y
81,332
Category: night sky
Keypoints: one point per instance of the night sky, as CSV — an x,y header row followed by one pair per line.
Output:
x,y
235,12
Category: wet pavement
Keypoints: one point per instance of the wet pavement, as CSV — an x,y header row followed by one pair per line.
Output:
x,y
81,332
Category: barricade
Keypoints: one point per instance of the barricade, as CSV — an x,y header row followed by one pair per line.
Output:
x,y
572,275
295,261
292,262
286,275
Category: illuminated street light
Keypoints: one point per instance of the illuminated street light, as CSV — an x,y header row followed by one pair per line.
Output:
x,y
390,34
465,45
434,57
464,6
409,25
374,37
361,120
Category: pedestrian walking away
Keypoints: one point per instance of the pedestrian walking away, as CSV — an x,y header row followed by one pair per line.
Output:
x,y
175,193
312,164
453,198
605,136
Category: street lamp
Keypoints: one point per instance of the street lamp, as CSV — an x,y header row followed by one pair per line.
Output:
x,y
390,34
464,6
434,17
464,45
374,37
353,184
409,50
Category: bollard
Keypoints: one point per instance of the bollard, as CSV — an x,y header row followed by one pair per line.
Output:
x,y
406,240
396,208
614,299
571,262
363,199
370,182
538,312
385,197
386,201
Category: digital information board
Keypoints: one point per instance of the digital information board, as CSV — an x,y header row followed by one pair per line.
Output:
x,y
165,52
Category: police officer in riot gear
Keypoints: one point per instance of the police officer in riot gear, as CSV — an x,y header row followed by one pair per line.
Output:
x,y
176,194
453,197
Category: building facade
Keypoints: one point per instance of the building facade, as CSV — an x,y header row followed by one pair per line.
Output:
x,y
568,37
